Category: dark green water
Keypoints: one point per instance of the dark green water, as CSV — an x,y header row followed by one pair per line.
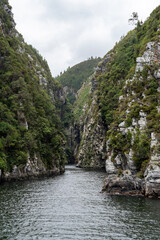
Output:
x,y
71,207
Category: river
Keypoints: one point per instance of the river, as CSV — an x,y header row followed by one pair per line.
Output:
x,y
71,207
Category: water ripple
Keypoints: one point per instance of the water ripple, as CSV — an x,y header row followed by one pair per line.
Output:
x,y
71,207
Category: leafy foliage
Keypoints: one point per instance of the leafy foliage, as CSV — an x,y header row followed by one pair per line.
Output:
x,y
82,99
75,76
29,119
141,149
122,58
121,64
138,96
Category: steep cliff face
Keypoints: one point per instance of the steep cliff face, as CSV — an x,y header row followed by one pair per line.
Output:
x,y
90,150
133,139
31,138
72,80
122,116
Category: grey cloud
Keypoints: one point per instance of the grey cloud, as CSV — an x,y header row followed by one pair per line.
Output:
x,y
63,11
69,31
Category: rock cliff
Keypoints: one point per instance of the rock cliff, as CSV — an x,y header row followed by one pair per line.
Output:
x,y
120,123
135,168
90,150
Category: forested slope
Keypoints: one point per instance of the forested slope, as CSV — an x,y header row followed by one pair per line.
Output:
x,y
31,138
74,77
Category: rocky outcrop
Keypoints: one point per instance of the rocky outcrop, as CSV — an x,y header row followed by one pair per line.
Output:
x,y
142,157
92,145
34,168
125,183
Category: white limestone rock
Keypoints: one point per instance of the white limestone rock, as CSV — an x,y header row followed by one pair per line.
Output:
x,y
142,122
143,95
157,74
30,57
122,127
147,58
134,122
127,111
150,46
122,124
133,100
118,160
126,183
21,50
130,161
158,109
26,125
152,180
154,140
34,165
153,175
42,80
142,114
110,168
8,10
121,97
155,158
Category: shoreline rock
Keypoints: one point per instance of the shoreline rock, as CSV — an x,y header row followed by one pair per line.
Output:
x,y
34,168
128,184
10,177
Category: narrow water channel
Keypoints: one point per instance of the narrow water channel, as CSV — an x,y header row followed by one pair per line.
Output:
x,y
71,207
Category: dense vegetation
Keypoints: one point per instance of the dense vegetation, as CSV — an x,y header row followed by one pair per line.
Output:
x,y
122,64
141,92
115,77
75,76
36,118
29,120
82,99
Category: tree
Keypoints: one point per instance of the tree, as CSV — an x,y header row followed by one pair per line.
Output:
x,y
134,18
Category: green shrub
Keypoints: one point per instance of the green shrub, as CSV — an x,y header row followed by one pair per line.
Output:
x,y
141,148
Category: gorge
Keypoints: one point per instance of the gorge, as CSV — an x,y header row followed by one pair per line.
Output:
x,y
106,119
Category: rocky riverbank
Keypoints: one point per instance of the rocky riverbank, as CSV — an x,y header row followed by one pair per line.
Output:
x,y
34,168
129,184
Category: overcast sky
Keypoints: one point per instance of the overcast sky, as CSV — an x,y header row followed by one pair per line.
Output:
x,y
66,32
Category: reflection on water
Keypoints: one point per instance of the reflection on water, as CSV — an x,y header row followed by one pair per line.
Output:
x,y
71,207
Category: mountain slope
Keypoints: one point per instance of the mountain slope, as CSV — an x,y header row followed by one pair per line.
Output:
x,y
74,77
119,126
72,80
31,138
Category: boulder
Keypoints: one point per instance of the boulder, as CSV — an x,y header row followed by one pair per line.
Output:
x,y
126,184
